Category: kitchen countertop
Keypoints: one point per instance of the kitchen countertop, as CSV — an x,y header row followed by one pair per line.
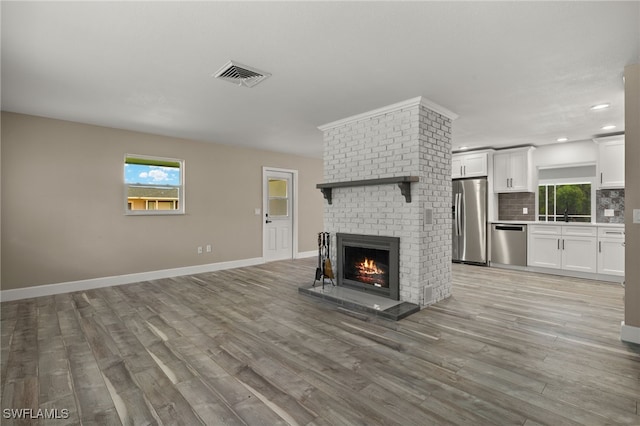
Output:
x,y
533,222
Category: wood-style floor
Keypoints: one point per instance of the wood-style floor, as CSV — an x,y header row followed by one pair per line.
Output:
x,y
243,347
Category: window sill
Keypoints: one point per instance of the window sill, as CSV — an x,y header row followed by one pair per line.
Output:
x,y
154,213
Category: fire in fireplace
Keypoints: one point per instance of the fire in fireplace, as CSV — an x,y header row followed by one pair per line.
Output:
x,y
369,263
368,266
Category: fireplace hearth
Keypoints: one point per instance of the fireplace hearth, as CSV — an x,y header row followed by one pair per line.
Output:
x,y
369,263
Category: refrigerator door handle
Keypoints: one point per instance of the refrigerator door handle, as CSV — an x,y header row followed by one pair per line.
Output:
x,y
459,214
457,218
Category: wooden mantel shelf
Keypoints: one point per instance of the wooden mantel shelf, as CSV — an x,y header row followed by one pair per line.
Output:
x,y
404,183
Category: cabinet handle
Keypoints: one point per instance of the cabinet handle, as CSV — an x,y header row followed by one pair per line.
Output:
x,y
465,170
460,170
558,243
562,244
599,246
600,178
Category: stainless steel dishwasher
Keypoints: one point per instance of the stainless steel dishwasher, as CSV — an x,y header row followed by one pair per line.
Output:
x,y
509,244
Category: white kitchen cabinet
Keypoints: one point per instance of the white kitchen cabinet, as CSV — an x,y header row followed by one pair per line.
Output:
x,y
543,246
572,248
513,170
611,251
469,165
579,254
611,162
456,166
501,172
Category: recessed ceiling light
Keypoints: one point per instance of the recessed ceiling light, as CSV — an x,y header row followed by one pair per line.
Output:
x,y
608,127
600,106
562,139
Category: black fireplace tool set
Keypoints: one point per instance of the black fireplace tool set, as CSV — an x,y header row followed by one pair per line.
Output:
x,y
324,269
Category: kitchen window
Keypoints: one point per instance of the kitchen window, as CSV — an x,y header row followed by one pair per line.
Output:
x,y
566,193
567,202
153,185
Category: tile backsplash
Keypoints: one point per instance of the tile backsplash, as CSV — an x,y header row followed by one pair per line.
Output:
x,y
611,199
510,206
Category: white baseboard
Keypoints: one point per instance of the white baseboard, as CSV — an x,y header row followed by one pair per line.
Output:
x,y
304,254
67,287
629,333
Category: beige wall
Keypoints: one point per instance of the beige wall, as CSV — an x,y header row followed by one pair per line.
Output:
x,y
63,209
632,195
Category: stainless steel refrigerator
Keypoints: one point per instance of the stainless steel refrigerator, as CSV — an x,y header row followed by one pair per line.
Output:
x,y
469,213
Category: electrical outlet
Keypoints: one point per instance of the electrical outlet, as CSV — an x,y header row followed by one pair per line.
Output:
x,y
525,210
428,216
208,248
199,249
609,212
257,211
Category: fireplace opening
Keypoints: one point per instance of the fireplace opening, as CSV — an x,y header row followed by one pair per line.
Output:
x,y
366,265
369,263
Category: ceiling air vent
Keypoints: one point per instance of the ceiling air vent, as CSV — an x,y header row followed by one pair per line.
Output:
x,y
241,75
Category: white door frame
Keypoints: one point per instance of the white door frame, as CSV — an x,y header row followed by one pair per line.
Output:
x,y
294,195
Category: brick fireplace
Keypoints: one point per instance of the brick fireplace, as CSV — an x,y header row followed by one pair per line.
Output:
x,y
411,139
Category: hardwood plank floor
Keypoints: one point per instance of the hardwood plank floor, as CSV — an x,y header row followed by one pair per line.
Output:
x,y
243,347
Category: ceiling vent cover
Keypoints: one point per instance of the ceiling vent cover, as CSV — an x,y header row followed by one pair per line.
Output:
x,y
241,75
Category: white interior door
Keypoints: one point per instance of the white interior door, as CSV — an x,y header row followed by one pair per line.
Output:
x,y
278,208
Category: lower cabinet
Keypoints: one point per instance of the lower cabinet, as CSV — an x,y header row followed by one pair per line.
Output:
x,y
611,251
572,248
579,253
543,246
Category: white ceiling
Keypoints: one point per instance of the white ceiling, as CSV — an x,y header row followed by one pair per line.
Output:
x,y
515,72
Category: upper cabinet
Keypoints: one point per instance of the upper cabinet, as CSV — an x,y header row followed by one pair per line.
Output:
x,y
472,164
513,170
610,162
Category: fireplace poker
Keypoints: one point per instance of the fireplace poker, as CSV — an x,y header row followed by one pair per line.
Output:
x,y
324,269
328,270
319,268
321,256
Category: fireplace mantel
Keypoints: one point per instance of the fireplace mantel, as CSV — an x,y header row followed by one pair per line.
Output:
x,y
404,183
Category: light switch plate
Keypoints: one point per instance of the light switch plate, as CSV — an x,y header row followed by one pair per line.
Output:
x,y
256,211
525,210
609,212
636,215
